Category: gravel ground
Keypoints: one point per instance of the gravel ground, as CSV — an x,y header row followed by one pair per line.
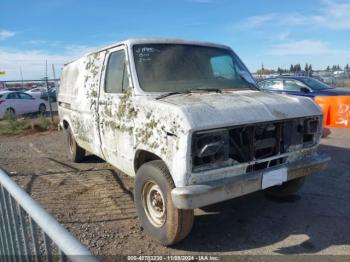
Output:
x,y
95,202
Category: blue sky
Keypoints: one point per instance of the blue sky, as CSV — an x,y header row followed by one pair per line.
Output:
x,y
276,33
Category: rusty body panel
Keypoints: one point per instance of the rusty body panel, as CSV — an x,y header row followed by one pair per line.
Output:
x,y
118,127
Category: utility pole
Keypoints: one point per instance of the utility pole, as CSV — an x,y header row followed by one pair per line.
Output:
x,y
20,70
54,75
48,94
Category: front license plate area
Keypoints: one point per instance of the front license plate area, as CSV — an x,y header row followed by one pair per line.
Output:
x,y
274,177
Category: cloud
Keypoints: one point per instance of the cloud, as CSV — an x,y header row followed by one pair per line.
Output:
x,y
36,42
302,47
332,15
336,15
283,36
4,34
305,48
33,61
257,21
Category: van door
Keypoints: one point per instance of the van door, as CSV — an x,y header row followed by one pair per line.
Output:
x,y
79,98
115,96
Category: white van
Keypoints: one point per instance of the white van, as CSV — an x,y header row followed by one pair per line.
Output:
x,y
187,121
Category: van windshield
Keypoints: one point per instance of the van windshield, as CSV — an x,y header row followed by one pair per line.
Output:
x,y
181,67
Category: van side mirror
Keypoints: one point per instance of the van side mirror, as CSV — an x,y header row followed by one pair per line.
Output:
x,y
304,90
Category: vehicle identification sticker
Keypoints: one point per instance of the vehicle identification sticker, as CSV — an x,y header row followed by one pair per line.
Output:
x,y
274,177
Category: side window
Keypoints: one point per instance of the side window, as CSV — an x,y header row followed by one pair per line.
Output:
x,y
116,73
292,85
12,96
24,96
222,66
272,85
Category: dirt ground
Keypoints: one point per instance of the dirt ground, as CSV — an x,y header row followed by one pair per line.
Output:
x,y
95,202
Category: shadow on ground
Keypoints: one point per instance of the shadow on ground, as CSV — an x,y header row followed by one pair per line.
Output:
x,y
317,216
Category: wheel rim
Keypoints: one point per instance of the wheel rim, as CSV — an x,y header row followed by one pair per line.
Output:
x,y
154,204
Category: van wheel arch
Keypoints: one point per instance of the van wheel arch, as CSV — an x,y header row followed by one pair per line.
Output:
x,y
65,124
74,152
142,157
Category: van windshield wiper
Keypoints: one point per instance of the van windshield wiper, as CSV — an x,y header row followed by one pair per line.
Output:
x,y
189,91
217,90
173,93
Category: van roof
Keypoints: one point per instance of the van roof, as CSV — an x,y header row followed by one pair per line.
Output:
x,y
134,41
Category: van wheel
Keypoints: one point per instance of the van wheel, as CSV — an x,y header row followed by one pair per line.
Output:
x,y
74,151
42,109
159,217
286,189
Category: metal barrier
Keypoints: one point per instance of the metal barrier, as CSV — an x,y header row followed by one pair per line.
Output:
x,y
29,233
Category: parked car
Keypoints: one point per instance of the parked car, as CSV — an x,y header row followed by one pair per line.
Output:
x,y
41,92
300,86
2,85
20,103
187,120
37,92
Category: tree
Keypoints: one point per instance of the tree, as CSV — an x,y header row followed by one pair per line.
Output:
x,y
328,68
347,67
279,71
292,70
310,71
336,67
306,67
264,71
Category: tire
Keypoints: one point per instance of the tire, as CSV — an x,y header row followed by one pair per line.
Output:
x,y
11,114
167,225
286,189
42,109
74,151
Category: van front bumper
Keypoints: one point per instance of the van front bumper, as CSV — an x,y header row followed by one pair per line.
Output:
x,y
195,196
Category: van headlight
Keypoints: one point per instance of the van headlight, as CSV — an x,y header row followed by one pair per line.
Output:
x,y
210,148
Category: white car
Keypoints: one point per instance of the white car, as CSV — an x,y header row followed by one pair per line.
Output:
x,y
37,92
19,103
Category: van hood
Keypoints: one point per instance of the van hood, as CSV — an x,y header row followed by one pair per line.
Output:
x,y
210,110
